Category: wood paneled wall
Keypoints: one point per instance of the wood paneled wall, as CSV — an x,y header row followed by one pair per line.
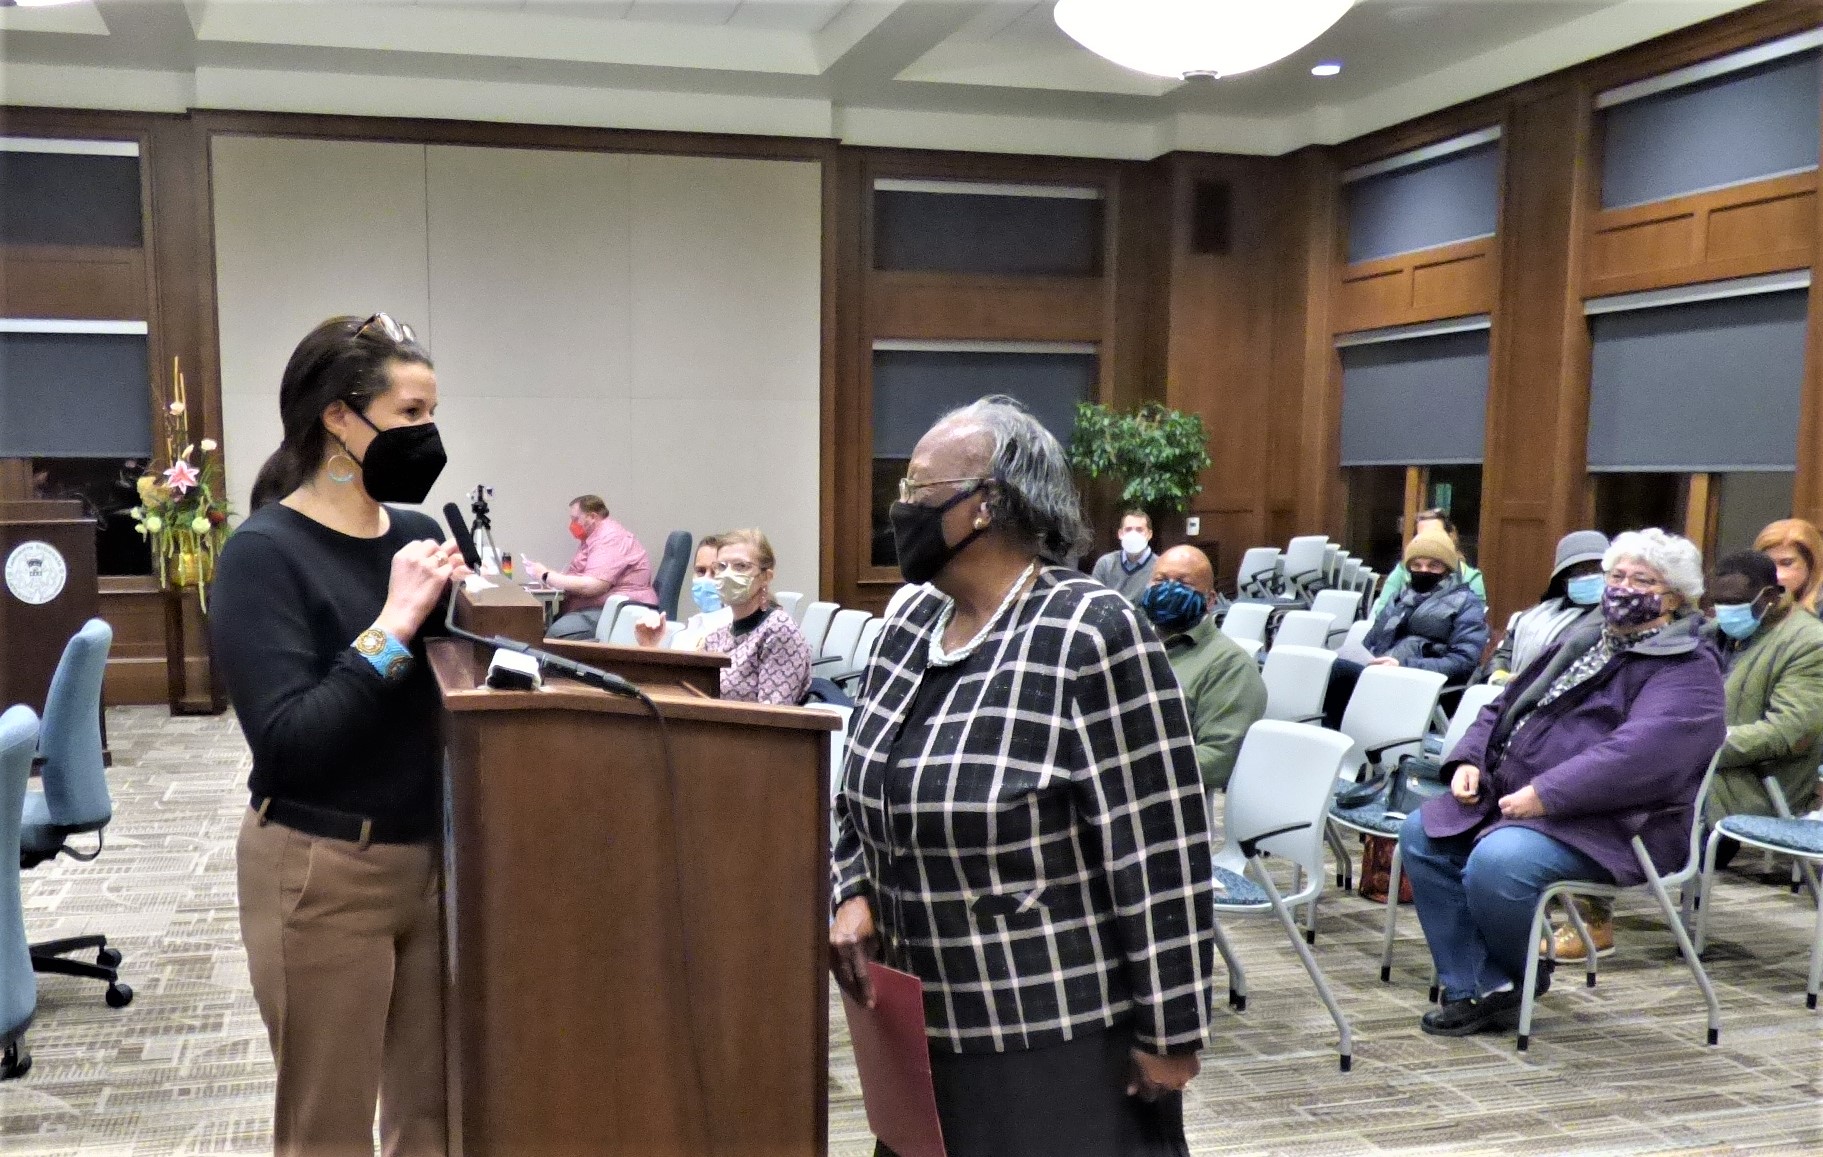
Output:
x,y
1244,336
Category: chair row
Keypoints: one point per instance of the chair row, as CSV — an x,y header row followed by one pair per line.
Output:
x,y
36,825
1309,564
1332,614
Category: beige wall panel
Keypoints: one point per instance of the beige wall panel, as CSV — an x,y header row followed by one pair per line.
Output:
x,y
305,230
644,328
726,258
529,285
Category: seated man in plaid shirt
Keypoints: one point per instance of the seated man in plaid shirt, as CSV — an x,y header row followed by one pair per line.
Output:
x,y
1021,817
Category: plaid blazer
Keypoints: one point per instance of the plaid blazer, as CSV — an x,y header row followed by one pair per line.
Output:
x,y
1042,861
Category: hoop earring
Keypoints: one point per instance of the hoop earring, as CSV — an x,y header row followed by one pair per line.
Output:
x,y
329,467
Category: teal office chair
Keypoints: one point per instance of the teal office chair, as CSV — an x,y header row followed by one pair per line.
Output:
x,y
75,799
18,987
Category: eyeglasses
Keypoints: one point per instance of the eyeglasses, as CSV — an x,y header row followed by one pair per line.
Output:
x,y
396,332
1633,580
737,567
909,489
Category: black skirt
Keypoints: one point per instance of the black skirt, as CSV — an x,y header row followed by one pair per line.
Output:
x,y
1065,1099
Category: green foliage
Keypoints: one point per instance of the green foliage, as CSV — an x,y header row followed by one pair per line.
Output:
x,y
1155,453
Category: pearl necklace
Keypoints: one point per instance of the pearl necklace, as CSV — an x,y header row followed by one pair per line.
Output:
x,y
941,658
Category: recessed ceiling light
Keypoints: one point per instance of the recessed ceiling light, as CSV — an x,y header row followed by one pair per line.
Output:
x,y
1327,68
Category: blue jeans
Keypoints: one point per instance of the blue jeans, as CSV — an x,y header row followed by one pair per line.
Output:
x,y
1475,899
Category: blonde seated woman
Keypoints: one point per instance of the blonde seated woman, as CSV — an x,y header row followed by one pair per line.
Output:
x,y
769,658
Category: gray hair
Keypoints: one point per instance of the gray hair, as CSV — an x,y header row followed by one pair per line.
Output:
x,y
1035,496
1675,558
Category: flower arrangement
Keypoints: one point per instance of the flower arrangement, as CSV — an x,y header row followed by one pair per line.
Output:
x,y
183,511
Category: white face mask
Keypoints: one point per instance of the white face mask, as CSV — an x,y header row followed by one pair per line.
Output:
x,y
1134,543
736,588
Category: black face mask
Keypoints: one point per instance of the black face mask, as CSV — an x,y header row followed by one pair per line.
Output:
x,y
1424,582
918,534
402,464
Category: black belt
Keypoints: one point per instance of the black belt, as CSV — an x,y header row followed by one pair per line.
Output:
x,y
336,825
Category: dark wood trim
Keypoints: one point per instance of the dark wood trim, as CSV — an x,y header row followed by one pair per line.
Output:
x,y
1763,227
1807,486
1447,281
1538,398
429,131
966,307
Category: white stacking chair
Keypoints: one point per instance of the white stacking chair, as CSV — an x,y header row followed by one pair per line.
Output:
x,y
1342,606
837,651
1782,834
610,610
1684,877
1277,800
1296,678
815,624
1258,573
1250,647
1356,633
1373,819
900,597
1332,554
791,601
1247,621
624,632
1386,717
1303,629
864,651
1302,564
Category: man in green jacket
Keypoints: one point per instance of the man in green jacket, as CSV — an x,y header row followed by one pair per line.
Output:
x,y
1222,686
1773,653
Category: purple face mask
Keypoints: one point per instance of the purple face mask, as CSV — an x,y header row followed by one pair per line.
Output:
x,y
1625,607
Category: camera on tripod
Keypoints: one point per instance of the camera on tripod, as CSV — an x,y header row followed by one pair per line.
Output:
x,y
484,528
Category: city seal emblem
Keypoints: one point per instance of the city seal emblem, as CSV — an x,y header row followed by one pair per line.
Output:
x,y
35,573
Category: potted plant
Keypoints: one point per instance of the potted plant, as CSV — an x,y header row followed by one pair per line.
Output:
x,y
183,511
1155,454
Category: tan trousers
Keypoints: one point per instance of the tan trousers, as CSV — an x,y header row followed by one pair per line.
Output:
x,y
344,945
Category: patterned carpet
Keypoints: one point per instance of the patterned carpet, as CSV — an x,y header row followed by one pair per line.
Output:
x,y
1617,1069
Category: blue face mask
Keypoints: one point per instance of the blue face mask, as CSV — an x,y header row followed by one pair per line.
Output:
x,y
1737,620
707,593
1585,591
1173,607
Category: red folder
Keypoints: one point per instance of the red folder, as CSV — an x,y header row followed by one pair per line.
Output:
x,y
893,1057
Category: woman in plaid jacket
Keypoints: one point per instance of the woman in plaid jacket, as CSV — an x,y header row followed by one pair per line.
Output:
x,y
1021,822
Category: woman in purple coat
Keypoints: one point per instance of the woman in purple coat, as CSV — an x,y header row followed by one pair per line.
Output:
x,y
1603,737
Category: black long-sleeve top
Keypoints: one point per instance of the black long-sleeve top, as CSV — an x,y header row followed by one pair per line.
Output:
x,y
325,727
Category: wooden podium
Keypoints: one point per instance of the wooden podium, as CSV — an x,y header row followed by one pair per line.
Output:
x,y
636,953
47,591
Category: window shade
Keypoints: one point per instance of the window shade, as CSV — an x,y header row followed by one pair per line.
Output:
x,y
1738,127
913,388
74,395
987,234
1454,198
1419,401
69,199
1708,386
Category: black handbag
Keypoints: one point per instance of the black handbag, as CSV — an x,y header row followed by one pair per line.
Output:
x,y
1417,779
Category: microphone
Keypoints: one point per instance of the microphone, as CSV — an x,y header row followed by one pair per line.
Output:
x,y
581,672
458,530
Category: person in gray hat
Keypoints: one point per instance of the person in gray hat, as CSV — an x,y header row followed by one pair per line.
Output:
x,y
1574,595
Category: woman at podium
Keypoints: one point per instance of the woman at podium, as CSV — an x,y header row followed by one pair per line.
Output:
x,y
991,837
321,598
